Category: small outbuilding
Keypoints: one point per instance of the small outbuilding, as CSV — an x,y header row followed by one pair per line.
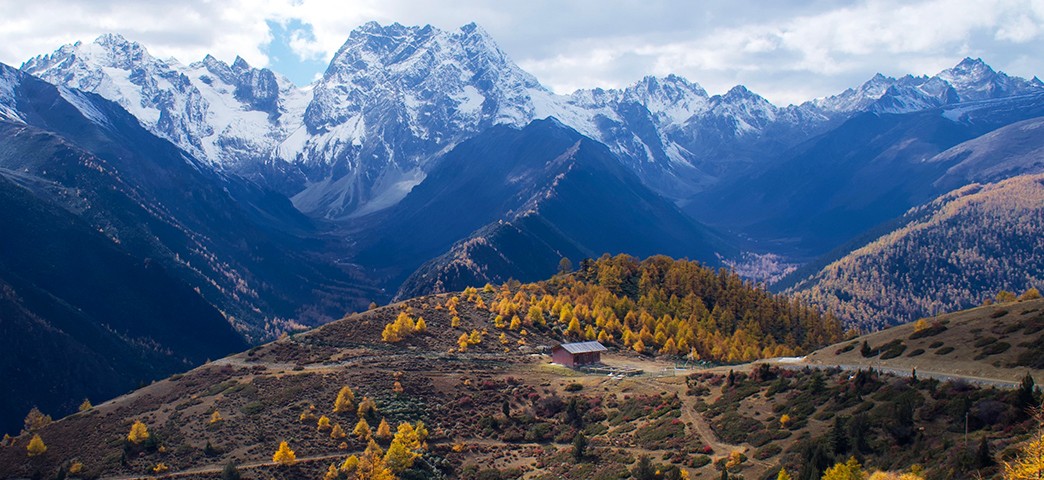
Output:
x,y
576,354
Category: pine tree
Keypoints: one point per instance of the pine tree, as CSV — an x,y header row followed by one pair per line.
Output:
x,y
983,458
138,432
284,456
579,447
36,446
345,401
230,472
1026,398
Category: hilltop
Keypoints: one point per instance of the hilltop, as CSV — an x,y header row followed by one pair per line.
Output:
x,y
999,342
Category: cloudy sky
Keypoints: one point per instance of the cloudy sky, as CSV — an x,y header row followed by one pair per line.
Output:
x,y
788,51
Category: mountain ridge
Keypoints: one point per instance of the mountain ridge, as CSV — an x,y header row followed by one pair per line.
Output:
x,y
340,150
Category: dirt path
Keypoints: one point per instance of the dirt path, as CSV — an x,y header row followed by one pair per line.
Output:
x,y
211,469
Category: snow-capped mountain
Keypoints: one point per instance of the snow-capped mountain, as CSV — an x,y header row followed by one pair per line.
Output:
x,y
970,80
221,114
395,98
392,99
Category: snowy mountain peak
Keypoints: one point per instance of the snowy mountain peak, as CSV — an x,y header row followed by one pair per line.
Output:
x,y
973,79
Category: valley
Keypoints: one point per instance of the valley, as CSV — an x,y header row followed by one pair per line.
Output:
x,y
209,271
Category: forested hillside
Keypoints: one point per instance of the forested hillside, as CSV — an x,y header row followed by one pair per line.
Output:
x,y
950,254
664,306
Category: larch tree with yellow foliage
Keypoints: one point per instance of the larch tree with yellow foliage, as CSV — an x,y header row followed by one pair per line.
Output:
x,y
337,432
283,455
399,457
215,417
332,473
86,405
36,446
1028,464
383,430
345,401
362,429
350,464
138,432
323,424
850,470
371,464
783,475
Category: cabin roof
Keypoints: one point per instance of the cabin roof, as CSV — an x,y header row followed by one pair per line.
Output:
x,y
583,347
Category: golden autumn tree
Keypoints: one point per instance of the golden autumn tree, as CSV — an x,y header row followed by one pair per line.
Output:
x,y
36,446
215,417
138,432
1028,464
337,432
283,455
372,466
383,430
362,429
345,401
783,475
350,464
332,473
850,470
399,457
323,424
421,326
86,405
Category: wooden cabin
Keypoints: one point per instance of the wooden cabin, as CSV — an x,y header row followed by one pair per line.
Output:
x,y
577,354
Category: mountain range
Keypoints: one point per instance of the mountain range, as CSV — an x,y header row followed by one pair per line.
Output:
x,y
395,98
425,161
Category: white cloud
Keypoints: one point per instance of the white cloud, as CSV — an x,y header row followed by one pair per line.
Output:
x,y
786,51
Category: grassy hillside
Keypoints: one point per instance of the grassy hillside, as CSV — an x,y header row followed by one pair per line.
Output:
x,y
472,358
949,255
1002,341
496,409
